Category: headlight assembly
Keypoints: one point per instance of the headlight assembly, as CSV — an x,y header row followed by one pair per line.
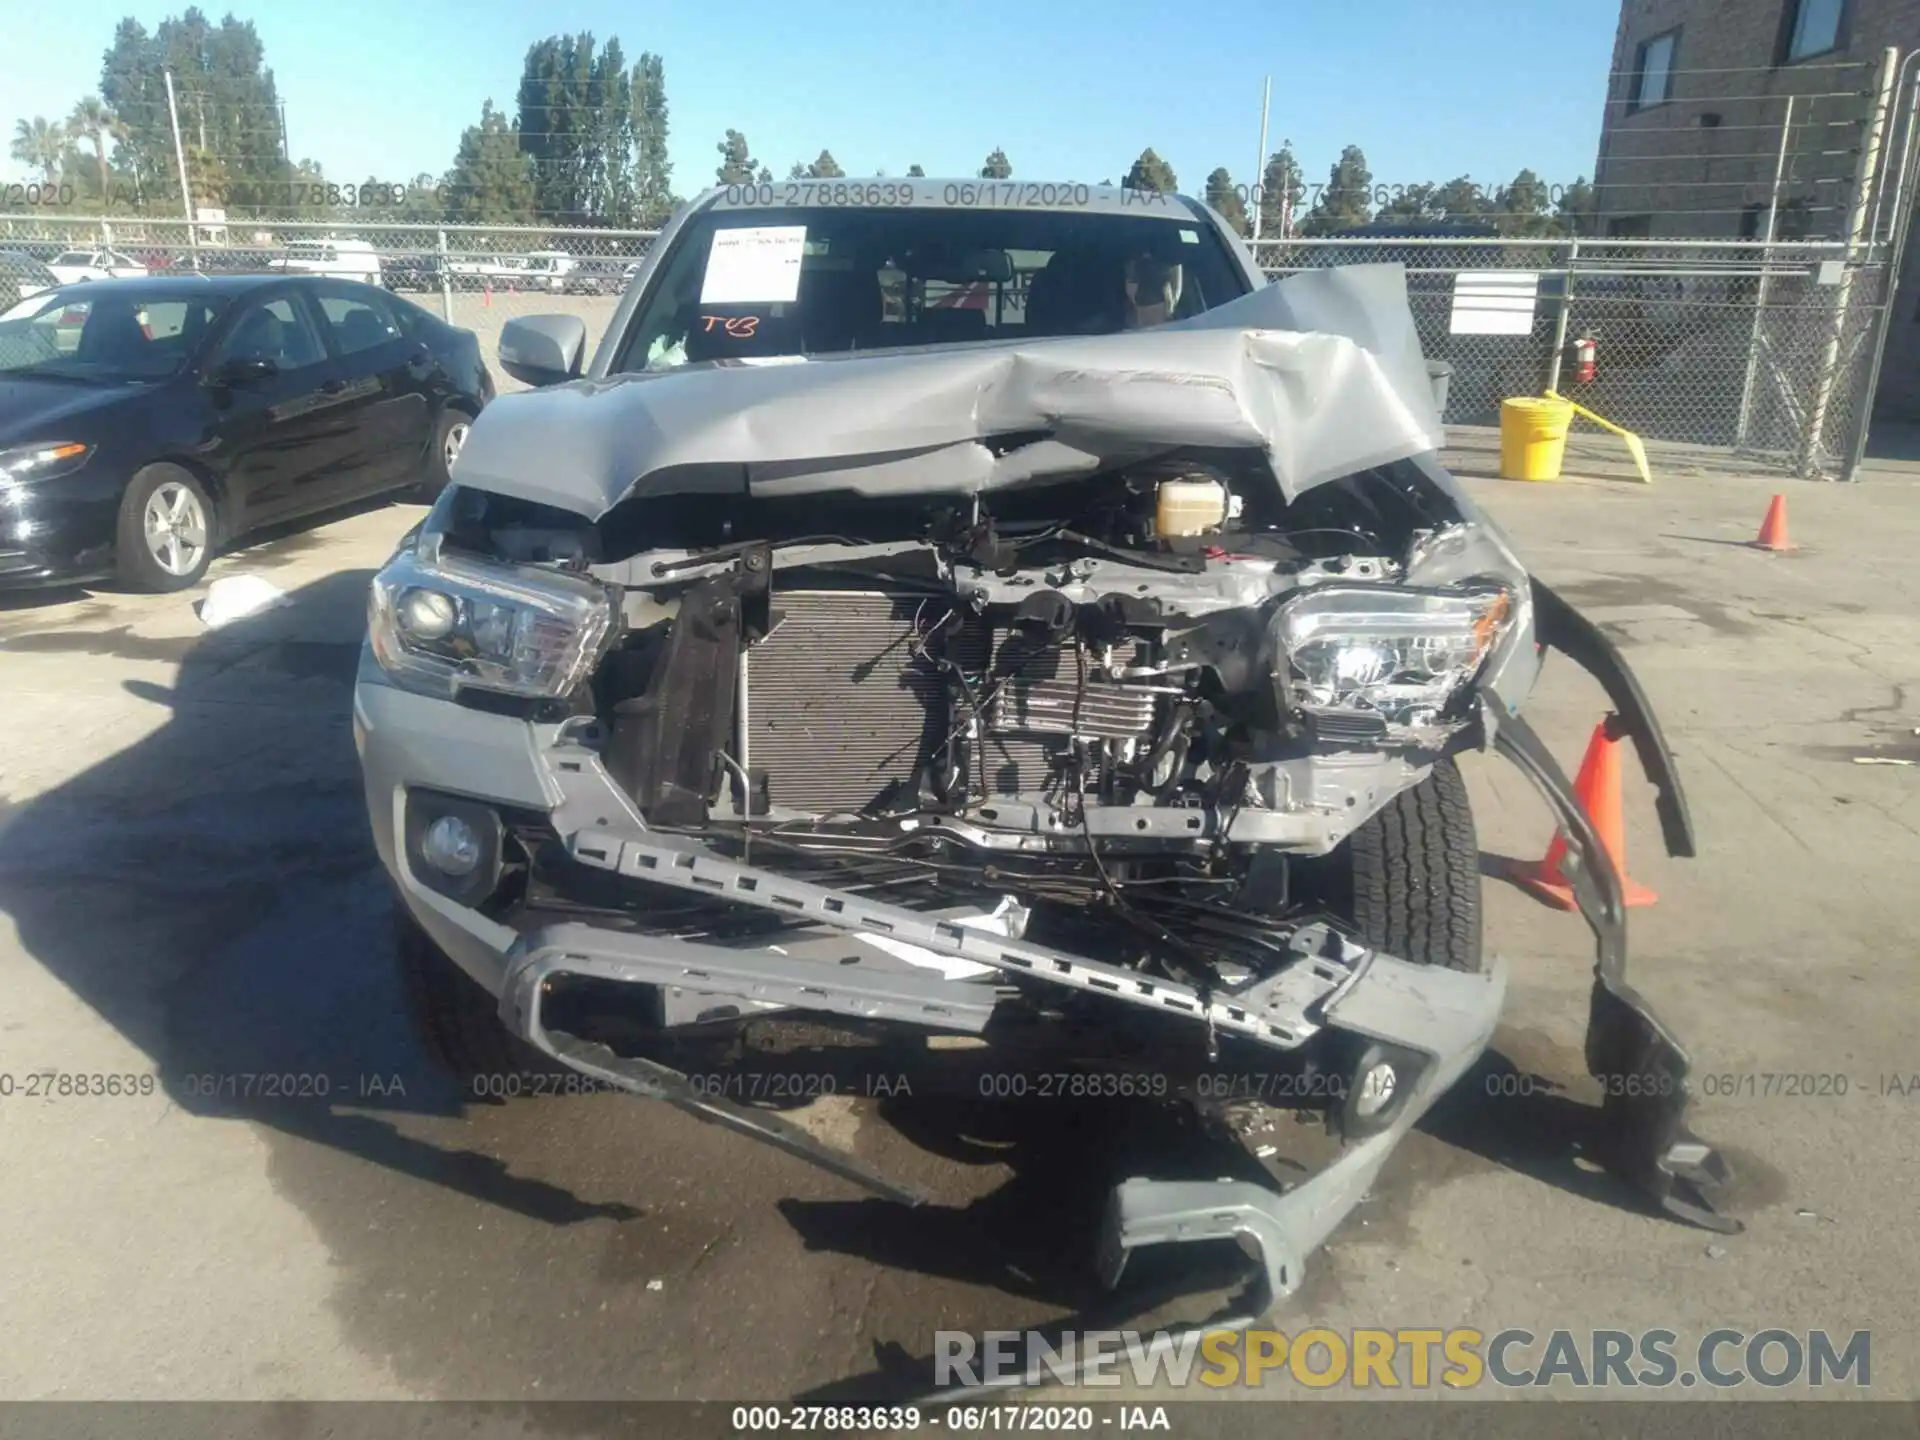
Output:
x,y
440,622
24,464
1398,654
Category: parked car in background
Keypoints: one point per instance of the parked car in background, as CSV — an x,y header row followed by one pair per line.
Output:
x,y
479,272
20,276
235,260
144,423
596,275
71,266
347,259
546,270
419,272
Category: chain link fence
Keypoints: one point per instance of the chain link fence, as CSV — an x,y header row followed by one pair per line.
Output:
x,y
1758,348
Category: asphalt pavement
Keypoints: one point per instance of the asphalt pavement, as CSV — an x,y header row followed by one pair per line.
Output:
x,y
277,1199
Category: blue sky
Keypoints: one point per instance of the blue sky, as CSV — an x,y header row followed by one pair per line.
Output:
x,y
1071,89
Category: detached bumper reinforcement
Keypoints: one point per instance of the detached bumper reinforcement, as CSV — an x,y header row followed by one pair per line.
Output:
x,y
520,1007
1277,1016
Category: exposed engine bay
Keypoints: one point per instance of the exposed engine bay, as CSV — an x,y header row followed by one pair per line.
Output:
x,y
1136,691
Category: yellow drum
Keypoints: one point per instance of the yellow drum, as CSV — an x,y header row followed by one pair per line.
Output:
x,y
1533,437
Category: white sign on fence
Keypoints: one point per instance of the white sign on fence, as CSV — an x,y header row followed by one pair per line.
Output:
x,y
1494,302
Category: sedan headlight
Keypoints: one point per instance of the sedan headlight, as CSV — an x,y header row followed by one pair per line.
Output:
x,y
24,464
439,623
1399,654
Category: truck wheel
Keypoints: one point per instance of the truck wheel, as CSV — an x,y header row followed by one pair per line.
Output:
x,y
1409,879
456,1021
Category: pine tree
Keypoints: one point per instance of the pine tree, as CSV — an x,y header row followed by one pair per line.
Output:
x,y
1282,187
998,167
1460,200
1224,198
1520,208
651,187
1150,172
825,167
1347,201
914,172
492,181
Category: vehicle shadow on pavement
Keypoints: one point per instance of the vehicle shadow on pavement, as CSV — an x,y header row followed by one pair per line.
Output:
x,y
171,888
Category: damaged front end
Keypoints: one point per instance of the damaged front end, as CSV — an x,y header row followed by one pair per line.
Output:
x,y
1041,737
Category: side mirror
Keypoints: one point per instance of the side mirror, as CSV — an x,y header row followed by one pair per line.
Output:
x,y
244,370
543,349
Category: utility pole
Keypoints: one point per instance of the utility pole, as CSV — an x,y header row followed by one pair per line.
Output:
x,y
1260,160
180,158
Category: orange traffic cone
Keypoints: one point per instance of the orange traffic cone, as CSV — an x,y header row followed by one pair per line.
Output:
x,y
1597,788
1773,530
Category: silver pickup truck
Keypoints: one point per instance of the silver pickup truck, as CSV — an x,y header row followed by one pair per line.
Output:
x,y
842,651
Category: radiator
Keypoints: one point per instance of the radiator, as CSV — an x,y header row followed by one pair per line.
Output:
x,y
838,707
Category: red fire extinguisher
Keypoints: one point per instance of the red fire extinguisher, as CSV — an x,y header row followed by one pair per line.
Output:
x,y
1586,356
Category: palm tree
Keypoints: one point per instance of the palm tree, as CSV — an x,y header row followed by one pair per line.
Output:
x,y
93,120
39,143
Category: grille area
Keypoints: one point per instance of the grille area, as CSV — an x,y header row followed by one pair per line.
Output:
x,y
839,709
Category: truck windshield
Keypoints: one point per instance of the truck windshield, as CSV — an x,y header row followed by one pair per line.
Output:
x,y
761,284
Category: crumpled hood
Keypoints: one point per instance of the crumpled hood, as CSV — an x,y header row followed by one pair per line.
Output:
x,y
1322,371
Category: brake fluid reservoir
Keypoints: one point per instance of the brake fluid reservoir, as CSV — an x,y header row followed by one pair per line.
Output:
x,y
1189,507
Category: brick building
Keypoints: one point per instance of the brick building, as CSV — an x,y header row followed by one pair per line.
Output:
x,y
1697,109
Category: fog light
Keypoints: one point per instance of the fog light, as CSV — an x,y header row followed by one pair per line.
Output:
x,y
450,846
427,614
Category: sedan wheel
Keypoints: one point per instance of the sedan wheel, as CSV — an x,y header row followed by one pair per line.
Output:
x,y
176,529
450,438
165,535
450,444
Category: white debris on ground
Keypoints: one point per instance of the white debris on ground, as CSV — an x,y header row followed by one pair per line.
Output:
x,y
236,597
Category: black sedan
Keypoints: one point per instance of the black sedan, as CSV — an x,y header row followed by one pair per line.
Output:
x,y
145,423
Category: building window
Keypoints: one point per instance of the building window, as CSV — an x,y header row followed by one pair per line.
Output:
x,y
1653,70
1815,29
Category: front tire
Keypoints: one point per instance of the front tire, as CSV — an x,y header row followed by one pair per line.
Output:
x,y
455,1019
164,537
1409,879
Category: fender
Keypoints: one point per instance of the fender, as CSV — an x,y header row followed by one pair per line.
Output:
x,y
1558,626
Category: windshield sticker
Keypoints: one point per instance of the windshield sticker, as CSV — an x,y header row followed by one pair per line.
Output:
x,y
754,265
1189,237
